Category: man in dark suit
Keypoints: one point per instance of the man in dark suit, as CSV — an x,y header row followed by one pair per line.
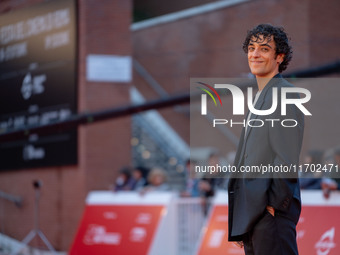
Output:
x,y
264,208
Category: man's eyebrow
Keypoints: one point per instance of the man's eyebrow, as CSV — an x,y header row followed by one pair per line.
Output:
x,y
266,44
263,44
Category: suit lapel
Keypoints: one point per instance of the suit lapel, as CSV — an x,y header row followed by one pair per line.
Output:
x,y
258,106
238,157
260,101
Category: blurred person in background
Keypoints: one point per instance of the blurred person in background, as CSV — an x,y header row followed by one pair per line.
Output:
x,y
156,181
332,182
139,175
211,182
308,179
192,181
123,180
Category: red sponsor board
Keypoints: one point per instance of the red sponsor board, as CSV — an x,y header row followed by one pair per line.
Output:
x,y
318,230
117,229
215,240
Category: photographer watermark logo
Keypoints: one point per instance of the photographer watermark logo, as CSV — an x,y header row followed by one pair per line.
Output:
x,y
204,97
238,99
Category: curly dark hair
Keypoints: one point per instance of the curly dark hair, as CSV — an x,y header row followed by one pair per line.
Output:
x,y
280,37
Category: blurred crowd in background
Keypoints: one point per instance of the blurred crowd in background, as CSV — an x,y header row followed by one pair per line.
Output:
x,y
315,174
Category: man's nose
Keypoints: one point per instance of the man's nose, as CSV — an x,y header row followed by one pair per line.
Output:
x,y
256,52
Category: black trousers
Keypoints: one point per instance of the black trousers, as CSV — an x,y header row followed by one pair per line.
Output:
x,y
271,236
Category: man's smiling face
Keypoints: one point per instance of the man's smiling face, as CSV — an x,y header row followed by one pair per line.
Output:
x,y
262,58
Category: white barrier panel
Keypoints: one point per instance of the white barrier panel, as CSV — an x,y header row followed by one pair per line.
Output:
x,y
190,220
318,231
127,223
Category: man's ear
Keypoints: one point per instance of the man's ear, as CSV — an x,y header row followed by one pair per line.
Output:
x,y
279,58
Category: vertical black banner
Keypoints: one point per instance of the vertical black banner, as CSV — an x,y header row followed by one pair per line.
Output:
x,y
38,82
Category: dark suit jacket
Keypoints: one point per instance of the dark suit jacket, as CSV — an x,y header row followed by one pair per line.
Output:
x,y
275,146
